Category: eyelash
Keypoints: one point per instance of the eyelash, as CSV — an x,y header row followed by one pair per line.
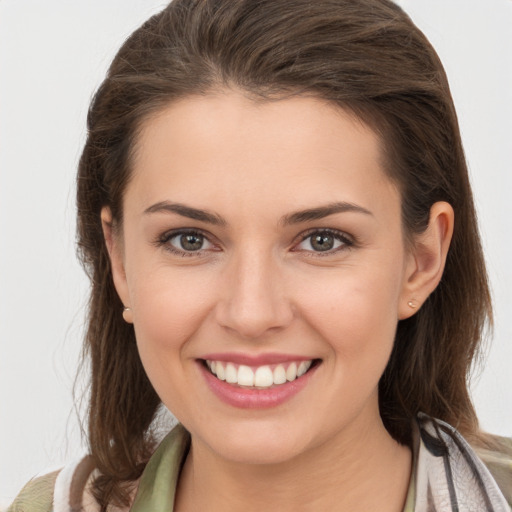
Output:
x,y
346,240
163,241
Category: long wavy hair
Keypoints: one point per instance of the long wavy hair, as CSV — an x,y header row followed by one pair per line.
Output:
x,y
368,58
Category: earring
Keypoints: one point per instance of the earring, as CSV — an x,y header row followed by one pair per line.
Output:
x,y
127,315
412,304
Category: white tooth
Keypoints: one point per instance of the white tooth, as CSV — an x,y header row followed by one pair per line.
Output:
x,y
212,366
231,373
302,369
308,365
291,372
219,370
263,377
245,376
279,374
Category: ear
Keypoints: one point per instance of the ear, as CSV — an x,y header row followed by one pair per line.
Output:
x,y
114,246
426,260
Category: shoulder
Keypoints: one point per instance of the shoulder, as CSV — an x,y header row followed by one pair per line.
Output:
x,y
450,470
60,491
499,463
71,488
36,496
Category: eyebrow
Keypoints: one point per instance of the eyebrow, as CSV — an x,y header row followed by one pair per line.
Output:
x,y
187,211
322,211
290,219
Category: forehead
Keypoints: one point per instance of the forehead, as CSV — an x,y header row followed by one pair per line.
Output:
x,y
226,146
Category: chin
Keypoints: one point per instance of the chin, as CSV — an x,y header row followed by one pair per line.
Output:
x,y
257,444
259,453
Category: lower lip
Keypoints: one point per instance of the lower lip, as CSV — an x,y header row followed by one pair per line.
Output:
x,y
246,398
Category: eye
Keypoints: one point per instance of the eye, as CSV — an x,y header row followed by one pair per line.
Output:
x,y
185,243
324,241
189,242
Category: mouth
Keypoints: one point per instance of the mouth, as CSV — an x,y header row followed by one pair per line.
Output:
x,y
267,376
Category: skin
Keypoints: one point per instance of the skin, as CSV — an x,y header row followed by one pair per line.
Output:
x,y
258,287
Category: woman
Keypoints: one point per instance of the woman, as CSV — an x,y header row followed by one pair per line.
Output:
x,y
275,214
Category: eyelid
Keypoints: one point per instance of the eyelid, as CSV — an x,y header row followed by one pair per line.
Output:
x,y
348,241
163,241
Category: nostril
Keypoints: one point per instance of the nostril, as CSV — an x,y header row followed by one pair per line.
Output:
x,y
252,319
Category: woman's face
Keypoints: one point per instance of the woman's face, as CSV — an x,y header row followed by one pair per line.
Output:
x,y
259,236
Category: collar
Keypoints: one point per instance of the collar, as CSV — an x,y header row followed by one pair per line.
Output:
x,y
447,475
157,486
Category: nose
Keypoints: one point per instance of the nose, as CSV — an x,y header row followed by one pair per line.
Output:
x,y
253,301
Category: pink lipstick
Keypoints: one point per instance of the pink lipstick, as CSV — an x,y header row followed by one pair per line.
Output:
x,y
254,382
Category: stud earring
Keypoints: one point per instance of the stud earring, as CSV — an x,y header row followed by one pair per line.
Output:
x,y
127,315
412,304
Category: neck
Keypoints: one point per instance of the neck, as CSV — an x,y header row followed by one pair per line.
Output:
x,y
358,470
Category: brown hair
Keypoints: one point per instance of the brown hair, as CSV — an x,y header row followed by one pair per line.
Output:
x,y
365,56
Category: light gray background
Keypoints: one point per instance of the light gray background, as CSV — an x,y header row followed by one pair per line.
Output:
x,y
53,55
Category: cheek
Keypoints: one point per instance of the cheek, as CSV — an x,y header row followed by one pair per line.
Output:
x,y
168,304
168,310
356,313
166,317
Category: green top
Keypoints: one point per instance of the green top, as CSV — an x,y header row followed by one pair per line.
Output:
x,y
157,486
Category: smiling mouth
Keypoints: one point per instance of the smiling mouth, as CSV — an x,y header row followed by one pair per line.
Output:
x,y
259,377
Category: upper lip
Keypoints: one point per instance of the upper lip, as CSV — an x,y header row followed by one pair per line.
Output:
x,y
255,359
